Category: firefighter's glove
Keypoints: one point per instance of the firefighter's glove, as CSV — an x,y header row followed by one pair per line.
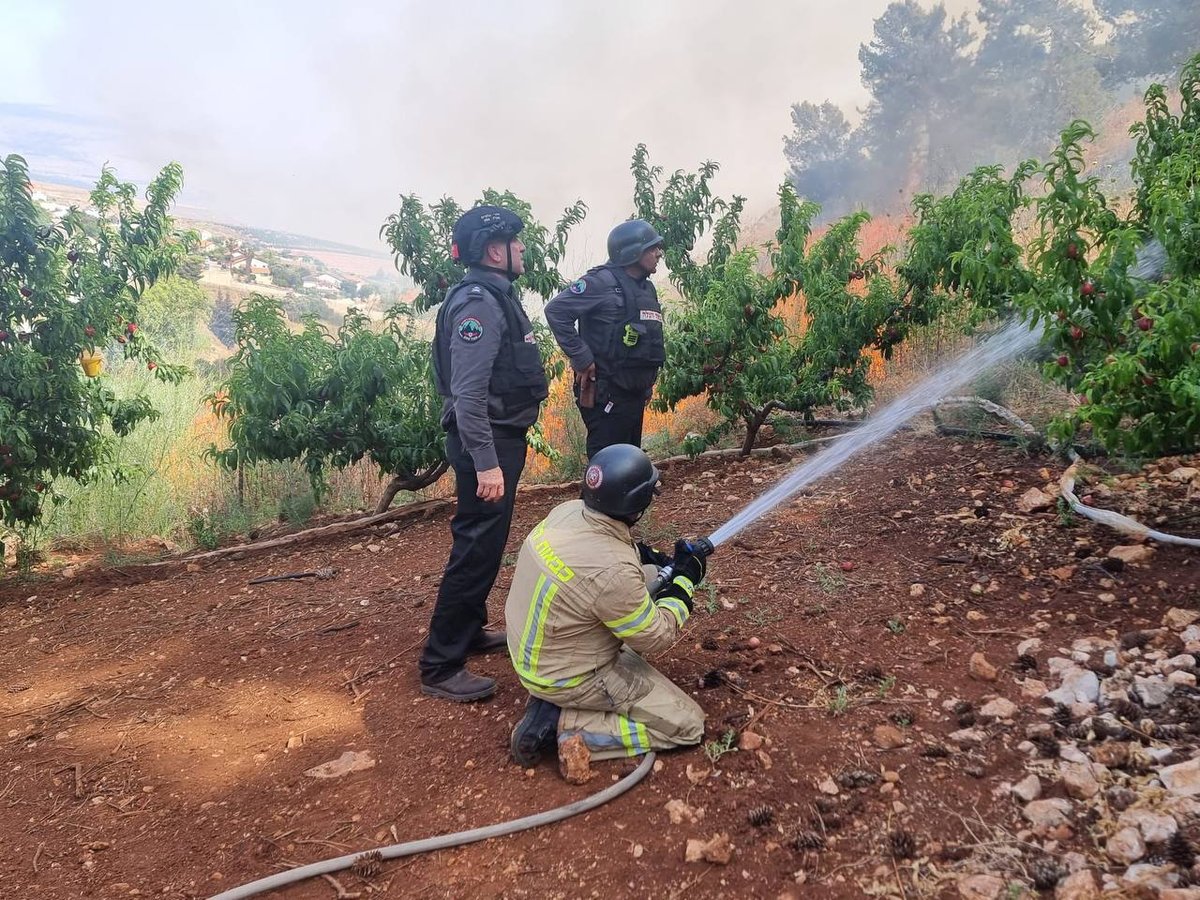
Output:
x,y
689,563
647,555
679,589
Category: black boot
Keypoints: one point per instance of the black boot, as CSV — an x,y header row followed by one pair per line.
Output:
x,y
536,733
461,687
488,642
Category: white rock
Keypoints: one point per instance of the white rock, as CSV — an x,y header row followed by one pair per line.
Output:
x,y
1182,780
980,887
1093,644
1191,633
350,761
1000,708
1183,473
1075,861
1027,789
1079,885
1034,500
967,737
1072,754
1126,846
1144,878
1184,662
1178,893
1156,828
1133,554
1079,780
1045,814
1060,665
1178,619
1034,645
1186,679
1110,658
1033,689
1078,686
1153,691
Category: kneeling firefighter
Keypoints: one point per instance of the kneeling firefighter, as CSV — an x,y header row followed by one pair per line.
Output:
x,y
579,614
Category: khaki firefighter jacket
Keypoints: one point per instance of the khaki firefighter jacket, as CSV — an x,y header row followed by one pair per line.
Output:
x,y
578,593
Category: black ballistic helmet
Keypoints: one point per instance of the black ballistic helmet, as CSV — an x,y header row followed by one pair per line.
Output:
x,y
620,481
629,240
477,227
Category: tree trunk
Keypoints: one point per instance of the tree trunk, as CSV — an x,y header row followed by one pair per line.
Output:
x,y
410,483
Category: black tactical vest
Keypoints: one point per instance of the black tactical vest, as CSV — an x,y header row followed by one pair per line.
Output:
x,y
630,351
518,377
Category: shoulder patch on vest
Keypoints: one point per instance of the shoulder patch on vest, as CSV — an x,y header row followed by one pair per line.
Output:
x,y
470,329
474,289
578,287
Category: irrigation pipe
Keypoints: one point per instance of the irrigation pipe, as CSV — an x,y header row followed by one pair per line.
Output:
x,y
1066,483
444,841
1124,524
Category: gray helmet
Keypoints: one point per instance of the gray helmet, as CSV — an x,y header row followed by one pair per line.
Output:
x,y
477,226
620,481
629,240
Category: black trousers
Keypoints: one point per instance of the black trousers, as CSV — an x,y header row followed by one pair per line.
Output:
x,y
480,531
621,424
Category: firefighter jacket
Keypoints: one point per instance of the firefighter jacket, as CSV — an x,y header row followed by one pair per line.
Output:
x,y
486,363
620,328
578,593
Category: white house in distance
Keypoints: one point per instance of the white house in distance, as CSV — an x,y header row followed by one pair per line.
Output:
x,y
323,282
247,264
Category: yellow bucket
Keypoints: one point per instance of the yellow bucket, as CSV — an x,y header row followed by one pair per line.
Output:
x,y
92,362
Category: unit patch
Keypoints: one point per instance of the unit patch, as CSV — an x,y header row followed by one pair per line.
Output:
x,y
470,329
649,315
593,477
578,287
530,339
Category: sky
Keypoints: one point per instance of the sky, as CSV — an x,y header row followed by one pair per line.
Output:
x,y
314,116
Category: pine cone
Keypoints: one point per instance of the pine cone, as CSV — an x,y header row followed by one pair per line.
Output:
x,y
761,816
871,673
368,865
1046,746
808,840
1026,663
830,821
934,751
857,778
1180,851
966,719
1127,710
901,844
1061,715
1046,872
962,706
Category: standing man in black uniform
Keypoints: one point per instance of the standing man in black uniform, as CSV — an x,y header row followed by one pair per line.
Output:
x,y
489,373
617,350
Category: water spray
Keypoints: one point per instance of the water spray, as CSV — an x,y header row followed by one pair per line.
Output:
x,y
1009,342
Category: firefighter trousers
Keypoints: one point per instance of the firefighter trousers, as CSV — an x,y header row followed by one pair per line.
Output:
x,y
626,709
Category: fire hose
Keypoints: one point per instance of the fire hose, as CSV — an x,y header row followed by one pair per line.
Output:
x,y
444,841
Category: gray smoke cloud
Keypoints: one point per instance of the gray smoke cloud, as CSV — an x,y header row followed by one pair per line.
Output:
x,y
313,116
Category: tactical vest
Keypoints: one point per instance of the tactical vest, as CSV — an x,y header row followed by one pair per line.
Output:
x,y
518,377
629,351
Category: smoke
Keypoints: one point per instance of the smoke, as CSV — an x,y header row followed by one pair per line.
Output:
x,y
312,117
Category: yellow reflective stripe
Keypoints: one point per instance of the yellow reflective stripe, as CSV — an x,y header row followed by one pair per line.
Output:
x,y
546,684
676,607
634,737
530,619
638,620
686,583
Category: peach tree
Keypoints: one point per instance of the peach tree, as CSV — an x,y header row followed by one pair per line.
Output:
x,y
1117,293
729,335
328,400
70,288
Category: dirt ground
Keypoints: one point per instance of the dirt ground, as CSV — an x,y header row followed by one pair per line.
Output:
x,y
156,732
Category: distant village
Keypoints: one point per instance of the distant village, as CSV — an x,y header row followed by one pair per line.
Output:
x,y
231,258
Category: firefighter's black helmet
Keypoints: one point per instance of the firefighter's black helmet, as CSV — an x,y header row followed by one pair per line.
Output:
x,y
477,227
620,481
629,240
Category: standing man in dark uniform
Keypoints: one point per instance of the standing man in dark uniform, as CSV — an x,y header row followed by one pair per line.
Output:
x,y
617,349
489,373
